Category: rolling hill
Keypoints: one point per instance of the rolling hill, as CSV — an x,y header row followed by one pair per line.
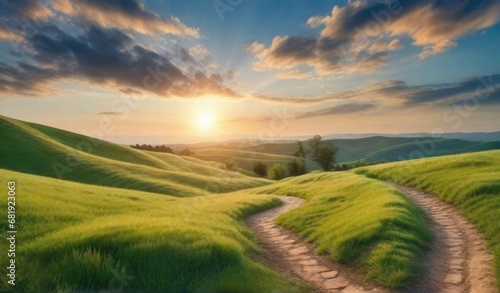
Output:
x,y
245,159
47,151
84,238
471,182
386,149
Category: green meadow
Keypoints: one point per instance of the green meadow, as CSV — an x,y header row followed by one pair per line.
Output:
x,y
74,236
157,222
51,152
358,221
471,182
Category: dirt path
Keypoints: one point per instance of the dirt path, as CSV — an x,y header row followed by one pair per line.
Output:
x,y
288,254
458,261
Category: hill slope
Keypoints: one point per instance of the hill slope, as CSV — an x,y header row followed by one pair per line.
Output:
x,y
378,148
46,151
81,238
471,182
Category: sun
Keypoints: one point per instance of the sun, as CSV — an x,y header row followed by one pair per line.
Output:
x,y
205,121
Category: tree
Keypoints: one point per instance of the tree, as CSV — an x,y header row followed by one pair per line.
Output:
x,y
314,142
324,153
298,166
186,152
260,169
277,172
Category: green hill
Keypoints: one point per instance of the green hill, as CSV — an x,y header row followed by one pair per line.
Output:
x,y
46,151
75,237
471,182
388,149
246,159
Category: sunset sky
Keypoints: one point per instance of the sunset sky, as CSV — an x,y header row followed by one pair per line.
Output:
x,y
205,70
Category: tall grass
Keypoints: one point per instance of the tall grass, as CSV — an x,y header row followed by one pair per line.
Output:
x,y
74,237
358,221
471,182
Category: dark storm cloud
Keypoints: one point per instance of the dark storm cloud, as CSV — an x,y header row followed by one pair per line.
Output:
x,y
107,57
360,36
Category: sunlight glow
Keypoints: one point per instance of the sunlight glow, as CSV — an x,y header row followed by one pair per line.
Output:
x,y
205,121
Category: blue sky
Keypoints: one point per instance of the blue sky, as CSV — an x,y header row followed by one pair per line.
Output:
x,y
251,68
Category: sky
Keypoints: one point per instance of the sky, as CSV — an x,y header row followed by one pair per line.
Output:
x,y
185,71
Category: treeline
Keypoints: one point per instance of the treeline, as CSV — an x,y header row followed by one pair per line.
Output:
x,y
162,149
157,148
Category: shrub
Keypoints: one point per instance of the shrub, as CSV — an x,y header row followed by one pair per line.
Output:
x,y
277,172
260,169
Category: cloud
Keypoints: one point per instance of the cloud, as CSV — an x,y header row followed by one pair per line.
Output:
x,y
107,57
255,47
109,113
360,36
124,14
24,10
337,110
8,35
342,109
293,74
399,93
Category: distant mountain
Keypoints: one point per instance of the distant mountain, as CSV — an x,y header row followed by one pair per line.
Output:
x,y
472,136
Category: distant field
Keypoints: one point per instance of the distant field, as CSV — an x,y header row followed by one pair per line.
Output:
x,y
358,221
388,149
469,181
247,159
75,236
46,151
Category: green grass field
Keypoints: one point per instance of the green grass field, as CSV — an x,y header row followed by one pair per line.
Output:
x,y
156,222
74,236
51,152
471,182
358,221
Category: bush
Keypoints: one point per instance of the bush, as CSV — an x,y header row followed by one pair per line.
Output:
x,y
296,167
277,172
260,169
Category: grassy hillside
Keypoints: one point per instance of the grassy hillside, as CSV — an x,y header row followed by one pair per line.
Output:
x,y
378,148
74,236
50,152
247,159
469,181
358,221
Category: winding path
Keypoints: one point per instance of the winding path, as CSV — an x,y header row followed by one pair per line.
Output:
x,y
458,261
288,254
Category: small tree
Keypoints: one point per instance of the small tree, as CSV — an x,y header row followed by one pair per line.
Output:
x,y
324,153
260,169
186,152
298,166
277,172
